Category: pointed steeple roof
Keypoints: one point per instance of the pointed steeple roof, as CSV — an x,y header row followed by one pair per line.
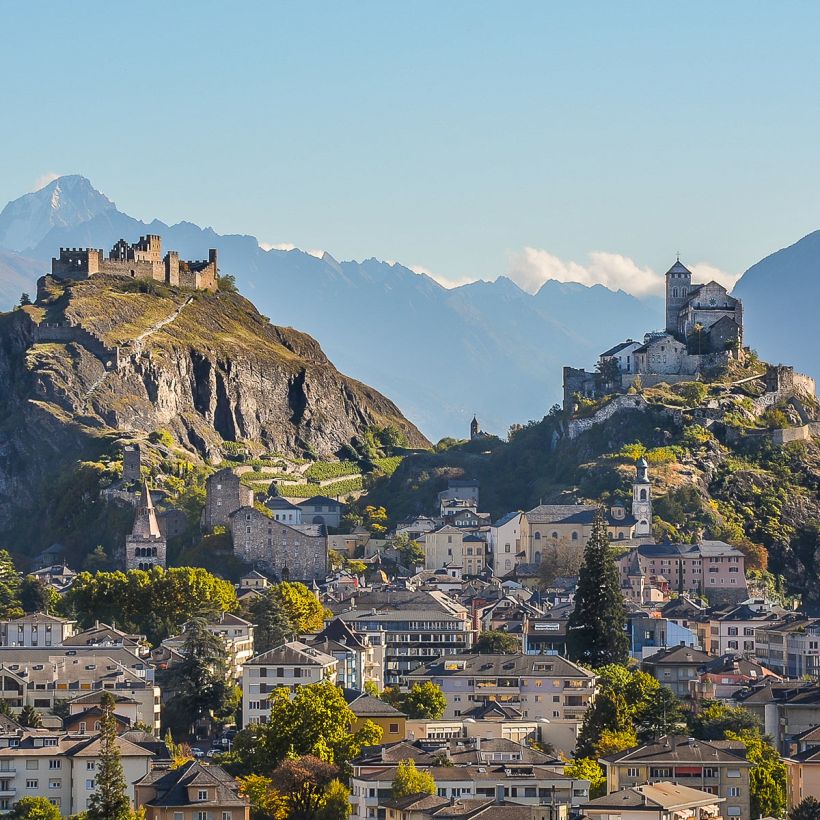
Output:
x,y
145,524
678,267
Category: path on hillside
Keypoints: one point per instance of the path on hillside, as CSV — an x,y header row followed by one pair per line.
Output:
x,y
157,326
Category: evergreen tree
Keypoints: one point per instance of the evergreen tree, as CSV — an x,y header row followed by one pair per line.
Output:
x,y
109,801
595,630
272,626
201,679
30,717
807,809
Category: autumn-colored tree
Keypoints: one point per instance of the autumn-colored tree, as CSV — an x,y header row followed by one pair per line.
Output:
x,y
587,768
424,701
302,781
34,808
410,780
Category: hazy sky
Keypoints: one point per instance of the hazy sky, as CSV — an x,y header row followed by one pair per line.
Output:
x,y
587,141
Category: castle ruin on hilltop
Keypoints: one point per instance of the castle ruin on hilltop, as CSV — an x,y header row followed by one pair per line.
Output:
x,y
704,329
140,260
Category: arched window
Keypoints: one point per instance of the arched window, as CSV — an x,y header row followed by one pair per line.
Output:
x,y
575,536
538,536
555,536
620,536
643,495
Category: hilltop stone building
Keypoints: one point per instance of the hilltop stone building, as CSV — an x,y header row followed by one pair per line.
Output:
x,y
296,552
146,546
704,328
224,494
140,260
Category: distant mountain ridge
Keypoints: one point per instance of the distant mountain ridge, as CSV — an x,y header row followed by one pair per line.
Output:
x,y
442,354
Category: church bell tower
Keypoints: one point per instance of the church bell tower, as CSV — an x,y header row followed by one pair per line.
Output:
x,y
642,500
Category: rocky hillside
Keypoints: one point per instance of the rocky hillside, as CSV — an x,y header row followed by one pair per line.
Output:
x,y
105,359
717,467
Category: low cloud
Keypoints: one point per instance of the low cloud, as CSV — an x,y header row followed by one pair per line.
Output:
x,y
278,246
43,180
442,280
531,267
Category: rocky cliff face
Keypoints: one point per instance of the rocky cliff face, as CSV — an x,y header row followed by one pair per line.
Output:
x,y
100,359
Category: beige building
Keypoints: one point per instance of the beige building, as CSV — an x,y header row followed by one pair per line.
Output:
x,y
61,767
291,664
37,629
191,792
656,801
714,768
455,546
804,775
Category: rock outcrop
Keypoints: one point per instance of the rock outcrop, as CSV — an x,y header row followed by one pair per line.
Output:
x,y
93,360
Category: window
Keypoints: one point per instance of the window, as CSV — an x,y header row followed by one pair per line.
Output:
x,y
90,785
733,811
202,794
90,765
55,784
54,764
631,772
178,815
226,815
32,764
393,728
32,784
733,791
575,536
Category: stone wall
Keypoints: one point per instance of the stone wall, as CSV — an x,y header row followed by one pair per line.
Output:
x,y
631,403
280,549
65,334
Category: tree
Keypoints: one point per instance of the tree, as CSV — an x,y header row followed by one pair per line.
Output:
x,y
609,370
25,299
411,553
97,560
316,720
30,717
496,642
807,809
302,782
109,801
375,519
409,780
265,802
336,804
34,808
9,587
660,715
226,283
768,776
37,596
201,679
587,768
303,609
424,701
715,721
560,560
596,628
272,626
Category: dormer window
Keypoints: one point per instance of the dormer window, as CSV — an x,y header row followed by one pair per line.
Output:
x,y
202,794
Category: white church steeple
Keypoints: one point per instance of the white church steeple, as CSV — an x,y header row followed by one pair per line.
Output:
x,y
642,500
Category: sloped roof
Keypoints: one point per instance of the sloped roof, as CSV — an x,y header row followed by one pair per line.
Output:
x,y
679,749
293,653
367,706
321,501
172,786
500,665
663,795
683,655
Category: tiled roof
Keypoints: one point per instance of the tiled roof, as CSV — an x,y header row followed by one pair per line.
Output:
x,y
367,706
293,653
684,655
661,795
172,786
677,749
503,665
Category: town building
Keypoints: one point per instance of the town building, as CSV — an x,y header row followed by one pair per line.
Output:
x,y
650,634
283,510
713,768
789,645
504,542
733,629
451,545
224,494
296,552
548,687
677,667
61,767
292,664
321,510
392,722
721,677
145,547
656,801
37,629
103,635
140,260
413,627
359,660
192,791
712,569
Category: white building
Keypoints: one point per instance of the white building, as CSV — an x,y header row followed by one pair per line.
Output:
x,y
37,629
504,541
291,664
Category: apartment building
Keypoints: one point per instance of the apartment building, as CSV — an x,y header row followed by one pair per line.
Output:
x,y
733,630
291,664
454,545
656,801
37,629
413,627
676,667
61,767
192,791
539,686
790,646
358,659
42,677
714,768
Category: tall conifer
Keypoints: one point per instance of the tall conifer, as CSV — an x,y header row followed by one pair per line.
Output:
x,y
109,801
595,630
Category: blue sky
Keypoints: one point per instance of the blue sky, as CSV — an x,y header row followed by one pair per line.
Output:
x,y
470,139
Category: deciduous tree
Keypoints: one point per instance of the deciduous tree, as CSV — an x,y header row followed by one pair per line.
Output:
x,y
768,777
424,701
587,768
496,642
34,808
409,780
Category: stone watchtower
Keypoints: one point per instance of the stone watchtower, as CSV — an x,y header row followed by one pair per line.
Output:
x,y
145,547
678,288
475,429
642,500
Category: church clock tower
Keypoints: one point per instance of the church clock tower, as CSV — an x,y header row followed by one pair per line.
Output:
x,y
642,500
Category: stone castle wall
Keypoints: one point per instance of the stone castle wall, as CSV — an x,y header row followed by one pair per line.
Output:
x,y
224,495
630,403
64,334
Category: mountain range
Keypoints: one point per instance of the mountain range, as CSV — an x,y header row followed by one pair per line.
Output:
x,y
441,354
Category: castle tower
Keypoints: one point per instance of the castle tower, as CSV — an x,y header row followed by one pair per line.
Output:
x,y
145,547
475,429
678,288
642,500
